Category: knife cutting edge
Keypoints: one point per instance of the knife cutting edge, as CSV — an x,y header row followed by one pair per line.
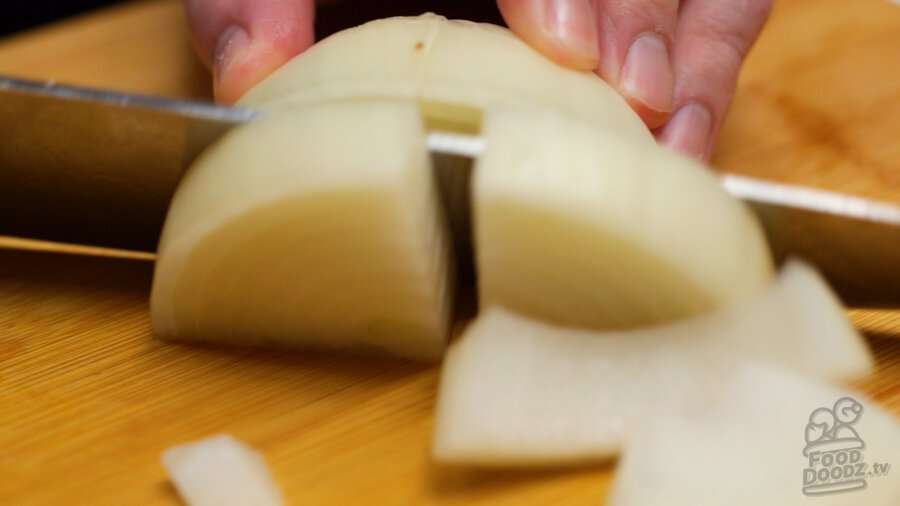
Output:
x,y
94,167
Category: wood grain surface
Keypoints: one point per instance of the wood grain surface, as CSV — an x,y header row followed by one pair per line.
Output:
x,y
89,399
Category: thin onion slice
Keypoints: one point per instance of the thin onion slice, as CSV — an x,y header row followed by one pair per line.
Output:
x,y
221,471
518,392
764,437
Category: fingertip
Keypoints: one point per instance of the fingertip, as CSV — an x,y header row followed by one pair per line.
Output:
x,y
688,132
233,42
242,61
563,30
647,80
711,42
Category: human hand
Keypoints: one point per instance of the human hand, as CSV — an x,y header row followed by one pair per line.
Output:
x,y
662,55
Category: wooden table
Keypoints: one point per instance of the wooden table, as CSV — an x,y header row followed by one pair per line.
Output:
x,y
89,399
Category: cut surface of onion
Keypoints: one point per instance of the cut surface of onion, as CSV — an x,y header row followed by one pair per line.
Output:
x,y
318,227
577,225
221,471
454,68
766,436
518,392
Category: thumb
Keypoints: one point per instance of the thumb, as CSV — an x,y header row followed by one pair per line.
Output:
x,y
243,41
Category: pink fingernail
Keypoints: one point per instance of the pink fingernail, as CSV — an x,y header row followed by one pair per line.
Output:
x,y
573,25
647,74
232,41
688,131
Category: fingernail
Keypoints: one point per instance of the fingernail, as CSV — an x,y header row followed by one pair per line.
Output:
x,y
573,25
232,41
688,131
647,74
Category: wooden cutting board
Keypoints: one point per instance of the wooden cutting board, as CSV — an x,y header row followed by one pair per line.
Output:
x,y
89,399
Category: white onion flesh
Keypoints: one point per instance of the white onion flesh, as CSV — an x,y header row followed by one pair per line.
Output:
x,y
451,67
318,227
744,446
221,471
518,392
577,225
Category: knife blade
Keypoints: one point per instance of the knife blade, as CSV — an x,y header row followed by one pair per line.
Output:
x,y
96,167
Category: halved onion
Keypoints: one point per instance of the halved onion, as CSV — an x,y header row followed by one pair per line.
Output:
x,y
319,225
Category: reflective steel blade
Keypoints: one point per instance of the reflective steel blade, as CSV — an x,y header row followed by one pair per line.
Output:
x,y
855,242
95,167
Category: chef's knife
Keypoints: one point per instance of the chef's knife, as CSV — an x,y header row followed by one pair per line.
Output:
x,y
96,167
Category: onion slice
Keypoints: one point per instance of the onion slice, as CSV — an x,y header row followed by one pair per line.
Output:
x,y
745,445
221,471
518,392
